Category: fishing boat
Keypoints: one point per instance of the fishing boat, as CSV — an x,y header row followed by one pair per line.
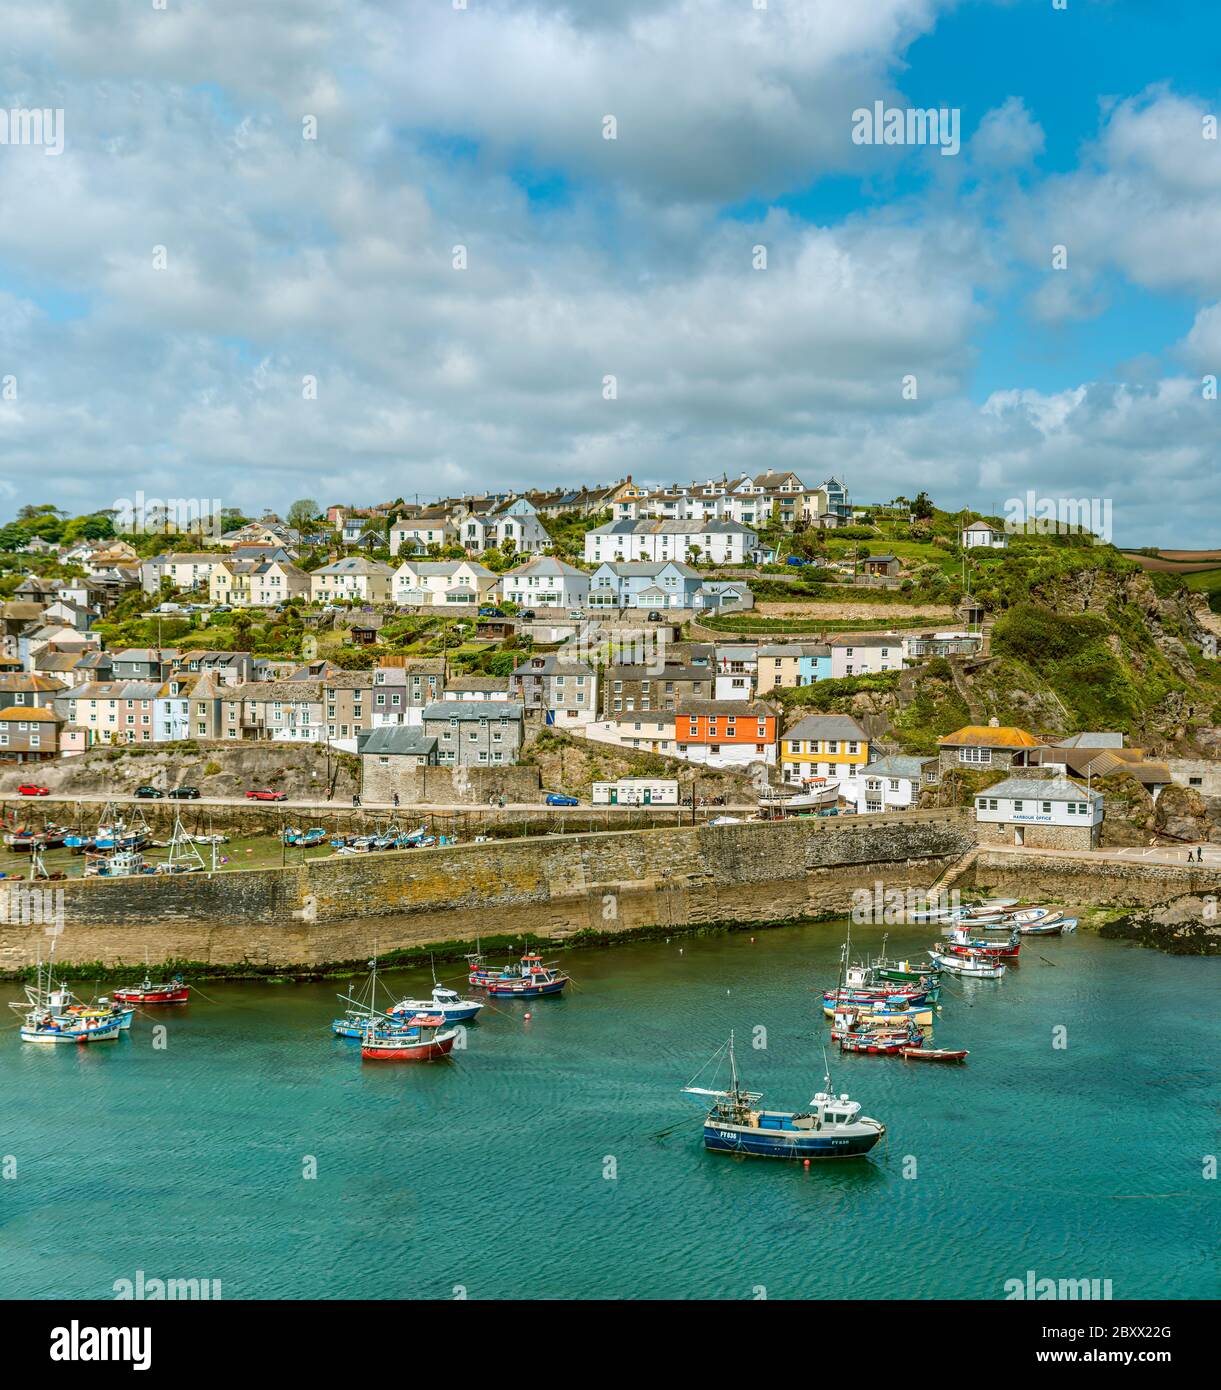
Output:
x,y
101,1008
906,972
890,971
880,1043
424,1038
530,979
446,1002
45,1028
172,991
49,998
362,1012
917,1014
830,1127
895,995
1054,925
974,965
119,863
934,1054
960,942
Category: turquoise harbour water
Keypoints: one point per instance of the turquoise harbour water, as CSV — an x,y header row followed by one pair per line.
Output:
x,y
487,1174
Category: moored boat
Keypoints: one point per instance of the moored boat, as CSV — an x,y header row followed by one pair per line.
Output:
x,y
880,1042
172,991
424,1038
45,1028
830,1127
960,942
934,1054
446,1002
976,965
529,979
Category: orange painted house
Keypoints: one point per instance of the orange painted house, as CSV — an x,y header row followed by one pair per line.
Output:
x,y
726,733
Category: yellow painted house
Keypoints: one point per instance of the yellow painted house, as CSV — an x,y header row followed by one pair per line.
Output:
x,y
831,746
230,582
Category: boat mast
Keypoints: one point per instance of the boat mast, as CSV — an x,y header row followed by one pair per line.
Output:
x,y
733,1067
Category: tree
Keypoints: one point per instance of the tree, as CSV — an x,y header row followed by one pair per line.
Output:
x,y
302,514
922,507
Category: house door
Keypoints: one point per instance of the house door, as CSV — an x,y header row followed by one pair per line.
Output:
x,y
1019,835
648,796
614,796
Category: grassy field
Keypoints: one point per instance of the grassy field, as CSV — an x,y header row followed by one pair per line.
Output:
x,y
1205,581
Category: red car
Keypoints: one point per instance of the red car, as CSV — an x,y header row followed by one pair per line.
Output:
x,y
29,789
267,796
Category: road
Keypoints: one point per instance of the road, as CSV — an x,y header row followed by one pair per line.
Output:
x,y
1155,854
344,804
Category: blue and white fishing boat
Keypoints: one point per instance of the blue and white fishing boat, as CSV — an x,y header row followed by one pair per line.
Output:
x,y
51,1013
448,1003
362,1012
830,1127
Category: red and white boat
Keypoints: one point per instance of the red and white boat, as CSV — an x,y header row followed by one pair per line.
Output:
x,y
175,991
424,1038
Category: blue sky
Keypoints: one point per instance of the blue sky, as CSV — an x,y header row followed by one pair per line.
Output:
x,y
333,257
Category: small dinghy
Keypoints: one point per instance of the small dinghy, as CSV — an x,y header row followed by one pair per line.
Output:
x,y
934,1054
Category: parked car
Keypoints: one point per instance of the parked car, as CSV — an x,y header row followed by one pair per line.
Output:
x,y
561,799
794,560
185,793
150,791
266,795
491,612
654,616
30,789
528,615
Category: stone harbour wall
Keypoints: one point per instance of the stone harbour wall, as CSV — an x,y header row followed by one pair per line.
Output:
x,y
334,910
1087,880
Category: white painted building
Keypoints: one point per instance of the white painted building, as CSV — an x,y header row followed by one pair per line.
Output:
x,y
721,542
452,584
637,791
355,578
545,583
981,534
1040,812
860,656
890,784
